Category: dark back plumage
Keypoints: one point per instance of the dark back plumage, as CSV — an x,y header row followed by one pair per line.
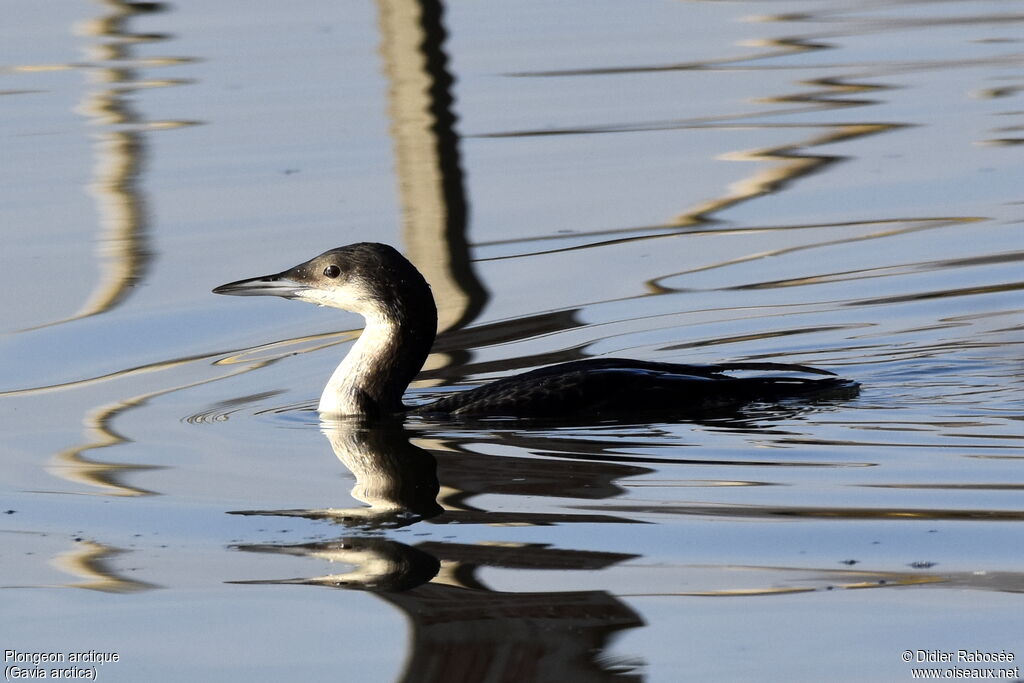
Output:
x,y
616,386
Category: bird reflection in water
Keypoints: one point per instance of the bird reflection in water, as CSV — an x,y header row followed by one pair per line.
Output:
x,y
461,628
400,482
397,480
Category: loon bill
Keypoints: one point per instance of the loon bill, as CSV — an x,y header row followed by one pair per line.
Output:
x,y
377,282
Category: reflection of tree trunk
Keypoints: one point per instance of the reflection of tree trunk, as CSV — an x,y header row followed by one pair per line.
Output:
x,y
123,250
427,156
90,563
123,253
123,247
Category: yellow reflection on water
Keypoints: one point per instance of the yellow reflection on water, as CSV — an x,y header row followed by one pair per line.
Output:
x,y
91,563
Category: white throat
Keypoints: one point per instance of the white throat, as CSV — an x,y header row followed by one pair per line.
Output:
x,y
359,371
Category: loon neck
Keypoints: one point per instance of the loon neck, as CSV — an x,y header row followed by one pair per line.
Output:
x,y
392,348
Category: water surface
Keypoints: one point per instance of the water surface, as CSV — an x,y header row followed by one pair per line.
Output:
x,y
827,183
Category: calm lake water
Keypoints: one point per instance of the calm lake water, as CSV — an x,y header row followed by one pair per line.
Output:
x,y
830,183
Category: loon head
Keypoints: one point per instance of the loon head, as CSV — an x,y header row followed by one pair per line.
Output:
x,y
378,283
368,278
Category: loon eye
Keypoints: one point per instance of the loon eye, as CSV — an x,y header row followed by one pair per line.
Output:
x,y
332,271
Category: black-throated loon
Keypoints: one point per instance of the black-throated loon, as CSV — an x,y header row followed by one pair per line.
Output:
x,y
378,283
